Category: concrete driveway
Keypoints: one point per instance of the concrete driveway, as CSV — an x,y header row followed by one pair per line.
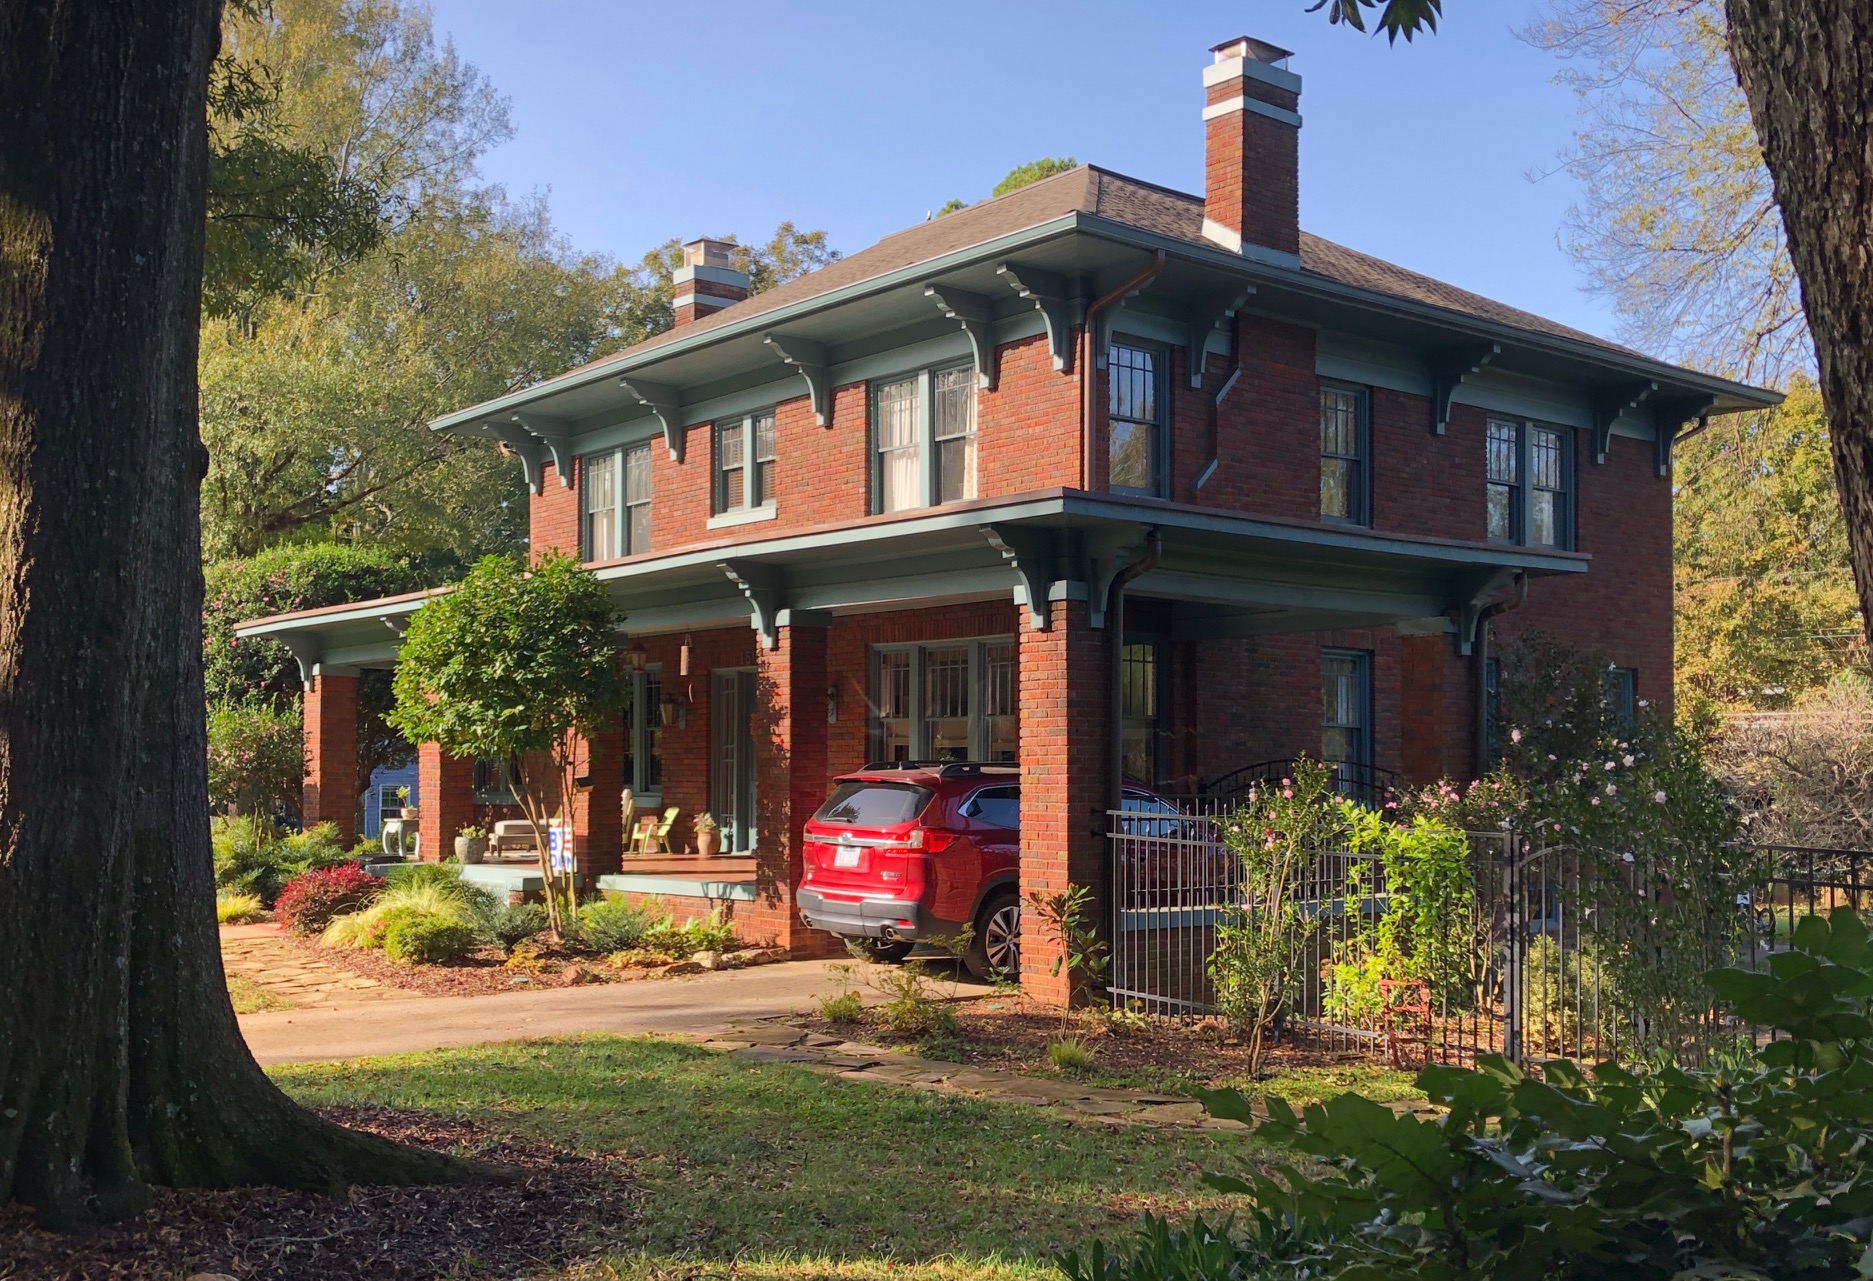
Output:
x,y
697,1004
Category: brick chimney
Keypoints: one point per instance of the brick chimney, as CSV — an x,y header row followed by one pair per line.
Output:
x,y
707,281
1252,151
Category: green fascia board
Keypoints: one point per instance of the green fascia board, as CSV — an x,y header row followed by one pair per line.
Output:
x,y
363,611
1305,282
987,250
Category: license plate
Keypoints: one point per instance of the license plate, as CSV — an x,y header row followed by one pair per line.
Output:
x,y
845,858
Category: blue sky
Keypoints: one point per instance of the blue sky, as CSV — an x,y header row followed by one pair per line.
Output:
x,y
645,121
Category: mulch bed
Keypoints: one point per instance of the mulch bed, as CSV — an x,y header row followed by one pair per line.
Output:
x,y
1011,1032
552,1212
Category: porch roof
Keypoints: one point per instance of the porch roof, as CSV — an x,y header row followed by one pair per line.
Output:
x,y
1225,574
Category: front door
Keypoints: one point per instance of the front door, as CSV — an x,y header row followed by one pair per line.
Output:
x,y
731,784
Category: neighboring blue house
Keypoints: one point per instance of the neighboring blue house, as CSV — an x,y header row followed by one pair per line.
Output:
x,y
380,798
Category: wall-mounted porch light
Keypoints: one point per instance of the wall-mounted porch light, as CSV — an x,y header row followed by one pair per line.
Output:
x,y
637,655
672,712
832,704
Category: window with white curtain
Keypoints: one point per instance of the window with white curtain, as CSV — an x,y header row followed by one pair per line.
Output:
x,y
614,497
924,439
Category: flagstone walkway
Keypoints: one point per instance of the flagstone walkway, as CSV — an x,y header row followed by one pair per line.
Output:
x,y
260,955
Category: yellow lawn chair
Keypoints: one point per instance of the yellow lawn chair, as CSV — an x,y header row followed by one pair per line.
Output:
x,y
653,833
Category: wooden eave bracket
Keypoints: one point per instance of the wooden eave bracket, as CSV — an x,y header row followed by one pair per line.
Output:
x,y
1203,318
523,446
556,436
1608,404
665,406
306,651
977,317
1052,297
1449,370
809,357
1668,415
1030,553
765,588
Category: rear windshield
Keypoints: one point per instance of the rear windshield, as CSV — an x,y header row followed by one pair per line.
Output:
x,y
861,804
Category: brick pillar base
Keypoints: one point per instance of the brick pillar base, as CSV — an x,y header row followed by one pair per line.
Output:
x,y
790,782
445,798
1065,677
597,821
330,792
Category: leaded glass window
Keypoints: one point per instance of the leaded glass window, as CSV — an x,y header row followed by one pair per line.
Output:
x,y
1134,419
1343,454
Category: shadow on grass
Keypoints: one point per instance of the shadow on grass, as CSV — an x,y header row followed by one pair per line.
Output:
x,y
767,1161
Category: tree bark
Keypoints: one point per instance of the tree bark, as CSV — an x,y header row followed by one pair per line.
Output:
x,y
121,1064
1806,67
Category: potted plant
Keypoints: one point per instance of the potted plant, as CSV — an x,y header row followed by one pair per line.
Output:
x,y
409,810
471,844
708,835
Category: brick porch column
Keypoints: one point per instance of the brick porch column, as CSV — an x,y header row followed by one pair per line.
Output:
x,y
790,781
330,792
445,798
597,821
1423,708
1065,675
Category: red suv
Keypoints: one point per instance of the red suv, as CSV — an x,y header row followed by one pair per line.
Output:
x,y
908,851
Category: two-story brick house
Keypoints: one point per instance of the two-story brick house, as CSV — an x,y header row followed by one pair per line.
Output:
x,y
896,507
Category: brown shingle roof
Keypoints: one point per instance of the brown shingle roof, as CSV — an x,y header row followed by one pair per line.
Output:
x,y
1089,189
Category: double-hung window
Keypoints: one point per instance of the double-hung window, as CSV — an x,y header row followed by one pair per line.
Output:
x,y
1346,710
615,497
924,439
949,701
1529,468
1135,451
744,463
1343,451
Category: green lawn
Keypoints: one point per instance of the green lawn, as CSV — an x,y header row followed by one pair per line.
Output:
x,y
768,1172
248,997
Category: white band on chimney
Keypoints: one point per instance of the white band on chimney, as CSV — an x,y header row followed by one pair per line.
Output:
x,y
1231,106
710,302
1238,68
1229,238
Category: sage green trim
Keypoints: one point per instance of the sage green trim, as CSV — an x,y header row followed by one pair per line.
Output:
x,y
678,886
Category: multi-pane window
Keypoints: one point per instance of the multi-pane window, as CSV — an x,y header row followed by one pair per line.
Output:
x,y
953,701
1346,707
1343,454
643,735
1527,484
615,498
924,439
1139,687
1619,686
953,396
744,463
1135,441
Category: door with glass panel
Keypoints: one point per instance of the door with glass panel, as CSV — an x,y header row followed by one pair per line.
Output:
x,y
732,773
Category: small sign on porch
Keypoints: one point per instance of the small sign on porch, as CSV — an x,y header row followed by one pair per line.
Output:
x,y
559,851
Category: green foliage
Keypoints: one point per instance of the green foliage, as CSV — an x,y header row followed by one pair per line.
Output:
x,y
425,889
511,924
1753,1169
911,1008
1033,171
1764,587
647,304
711,933
1279,835
1395,17
843,1010
1426,929
236,907
256,761
262,863
1071,1055
419,938
1084,954
616,925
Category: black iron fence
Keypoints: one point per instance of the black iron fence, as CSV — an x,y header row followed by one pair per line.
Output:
x,y
1543,953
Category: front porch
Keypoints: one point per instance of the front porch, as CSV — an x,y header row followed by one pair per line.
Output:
x,y
759,673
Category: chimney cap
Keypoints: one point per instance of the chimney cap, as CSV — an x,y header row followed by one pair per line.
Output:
x,y
1253,49
709,253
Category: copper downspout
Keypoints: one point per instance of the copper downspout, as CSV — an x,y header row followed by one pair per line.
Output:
x,y
1481,649
1216,402
1089,362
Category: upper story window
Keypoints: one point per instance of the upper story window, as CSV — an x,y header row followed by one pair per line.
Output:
x,y
615,496
1135,420
1529,468
1343,450
924,439
744,463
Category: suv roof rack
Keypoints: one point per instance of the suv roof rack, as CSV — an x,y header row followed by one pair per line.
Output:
x,y
945,769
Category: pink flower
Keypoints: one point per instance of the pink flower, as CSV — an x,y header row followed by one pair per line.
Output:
x,y
1595,801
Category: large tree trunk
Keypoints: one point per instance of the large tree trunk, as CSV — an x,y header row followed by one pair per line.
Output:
x,y
121,1064
1807,68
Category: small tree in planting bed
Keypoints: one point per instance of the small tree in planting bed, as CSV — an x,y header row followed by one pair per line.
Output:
x,y
516,665
256,761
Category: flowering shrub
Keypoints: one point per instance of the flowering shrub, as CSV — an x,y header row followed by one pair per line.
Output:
x,y
310,900
256,761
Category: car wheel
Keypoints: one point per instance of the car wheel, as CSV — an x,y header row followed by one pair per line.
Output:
x,y
883,951
996,947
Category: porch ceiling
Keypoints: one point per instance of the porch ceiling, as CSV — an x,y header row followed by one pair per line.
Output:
x,y
1227,574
